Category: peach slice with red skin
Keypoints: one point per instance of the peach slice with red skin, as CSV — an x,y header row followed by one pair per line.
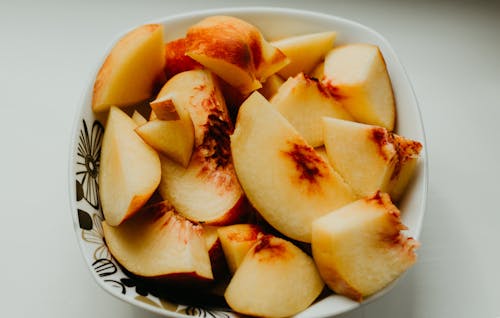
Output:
x,y
370,158
275,279
171,249
132,70
236,240
357,265
283,177
171,132
235,50
176,60
214,246
303,101
129,171
357,75
207,190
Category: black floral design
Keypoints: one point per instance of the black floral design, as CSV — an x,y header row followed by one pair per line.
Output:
x,y
117,284
84,220
88,158
205,313
140,288
104,267
96,236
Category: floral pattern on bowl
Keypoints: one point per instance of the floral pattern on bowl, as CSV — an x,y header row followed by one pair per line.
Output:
x,y
90,218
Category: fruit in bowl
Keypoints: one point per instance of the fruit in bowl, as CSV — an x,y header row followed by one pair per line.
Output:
x,y
201,169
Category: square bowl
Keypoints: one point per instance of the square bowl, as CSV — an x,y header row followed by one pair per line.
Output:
x,y
274,23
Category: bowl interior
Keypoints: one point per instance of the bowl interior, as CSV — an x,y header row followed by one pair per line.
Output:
x,y
275,23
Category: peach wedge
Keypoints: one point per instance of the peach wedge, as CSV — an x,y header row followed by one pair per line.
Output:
x,y
170,248
303,101
282,176
357,75
236,240
358,265
275,279
235,50
132,69
207,190
370,158
130,169
304,51
174,137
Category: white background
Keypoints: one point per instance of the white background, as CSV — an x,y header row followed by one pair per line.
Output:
x,y
451,51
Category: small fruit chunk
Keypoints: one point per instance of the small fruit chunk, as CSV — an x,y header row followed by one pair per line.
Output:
x,y
304,51
282,176
319,71
207,190
176,60
275,279
358,265
130,169
164,108
236,240
159,243
357,75
303,101
204,191
211,237
173,138
234,50
271,86
198,91
214,247
132,70
370,158
138,118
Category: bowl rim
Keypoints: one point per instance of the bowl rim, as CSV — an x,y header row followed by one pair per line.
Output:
x,y
254,10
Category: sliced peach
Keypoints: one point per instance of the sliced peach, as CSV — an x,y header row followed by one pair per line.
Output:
x,y
176,60
234,50
132,70
303,101
282,176
370,158
236,240
172,137
130,170
160,244
360,265
271,86
304,51
357,75
207,190
275,279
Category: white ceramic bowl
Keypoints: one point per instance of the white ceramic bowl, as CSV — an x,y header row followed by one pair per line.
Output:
x,y
274,23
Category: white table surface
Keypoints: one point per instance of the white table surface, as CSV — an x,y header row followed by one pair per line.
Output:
x,y
452,55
